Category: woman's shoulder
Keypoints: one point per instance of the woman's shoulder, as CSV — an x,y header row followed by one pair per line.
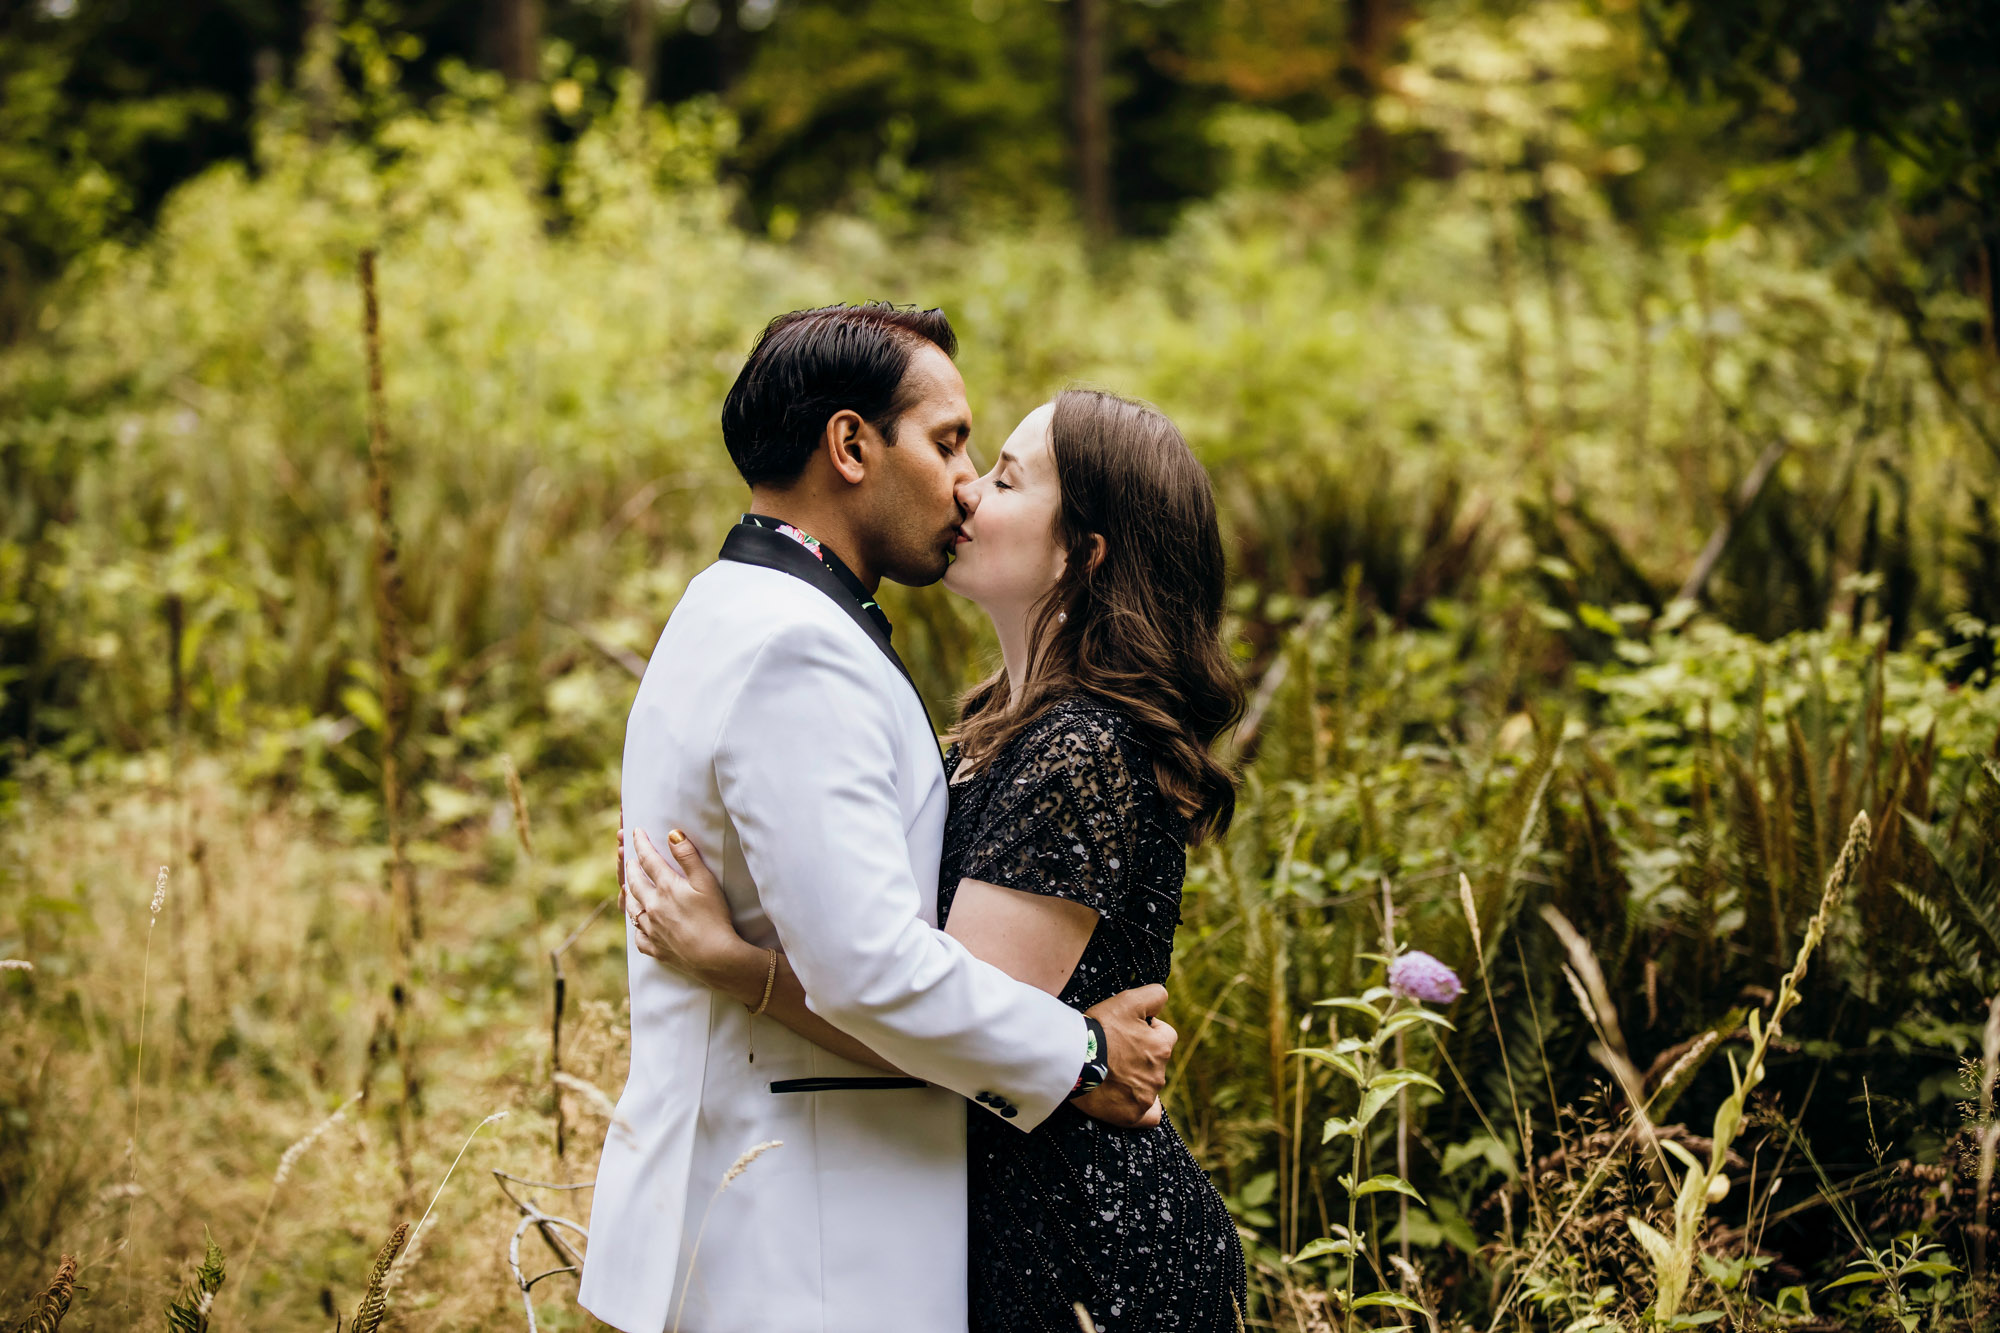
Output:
x,y
1079,724
1085,737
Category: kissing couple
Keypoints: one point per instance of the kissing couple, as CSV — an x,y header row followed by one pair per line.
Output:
x,y
929,987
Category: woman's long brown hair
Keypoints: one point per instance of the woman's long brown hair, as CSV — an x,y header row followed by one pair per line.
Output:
x,y
1141,628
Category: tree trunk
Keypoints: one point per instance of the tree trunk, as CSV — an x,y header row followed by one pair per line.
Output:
x,y
517,39
1090,118
1374,28
639,43
319,72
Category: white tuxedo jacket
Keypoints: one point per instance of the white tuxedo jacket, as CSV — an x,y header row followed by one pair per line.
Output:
x,y
777,728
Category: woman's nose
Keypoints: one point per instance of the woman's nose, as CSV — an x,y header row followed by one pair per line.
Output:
x,y
967,493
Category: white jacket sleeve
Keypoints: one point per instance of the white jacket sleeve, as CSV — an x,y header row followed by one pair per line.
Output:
x,y
805,762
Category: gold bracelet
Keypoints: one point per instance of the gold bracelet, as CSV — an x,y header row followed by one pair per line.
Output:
x,y
770,981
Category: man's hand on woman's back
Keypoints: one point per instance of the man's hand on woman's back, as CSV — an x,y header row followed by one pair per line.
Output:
x,y
1140,1043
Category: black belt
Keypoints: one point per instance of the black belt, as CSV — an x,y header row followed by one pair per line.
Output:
x,y
845,1084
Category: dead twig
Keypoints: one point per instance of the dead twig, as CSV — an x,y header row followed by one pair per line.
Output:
x,y
549,1225
556,1016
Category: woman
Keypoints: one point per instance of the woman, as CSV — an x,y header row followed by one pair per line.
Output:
x,y
1079,774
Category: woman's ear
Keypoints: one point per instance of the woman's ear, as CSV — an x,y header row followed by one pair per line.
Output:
x,y
1097,549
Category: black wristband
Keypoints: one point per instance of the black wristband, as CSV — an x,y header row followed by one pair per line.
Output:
x,y
1096,1059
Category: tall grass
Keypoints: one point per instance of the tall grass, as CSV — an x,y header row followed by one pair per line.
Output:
x,y
1458,509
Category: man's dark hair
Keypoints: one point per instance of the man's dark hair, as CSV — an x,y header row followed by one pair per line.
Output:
x,y
810,364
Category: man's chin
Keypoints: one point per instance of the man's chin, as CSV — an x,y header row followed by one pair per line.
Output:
x,y
916,575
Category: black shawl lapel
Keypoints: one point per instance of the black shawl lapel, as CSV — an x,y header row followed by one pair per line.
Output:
x,y
749,544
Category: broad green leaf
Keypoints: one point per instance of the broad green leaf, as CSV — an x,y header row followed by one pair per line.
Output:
x,y
1686,1157
1362,1007
1372,1103
1481,1147
1385,1184
1405,1019
1337,1127
1397,1079
1855,1279
1657,1247
1390,1299
1342,1064
1325,1245
1419,1228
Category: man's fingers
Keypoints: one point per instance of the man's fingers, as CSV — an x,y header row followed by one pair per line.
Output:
x,y
1153,1116
1149,1000
1166,1030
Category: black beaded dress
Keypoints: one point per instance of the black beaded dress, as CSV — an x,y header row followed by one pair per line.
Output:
x,y
1123,1220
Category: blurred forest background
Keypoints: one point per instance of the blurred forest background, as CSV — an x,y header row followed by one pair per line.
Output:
x,y
1604,403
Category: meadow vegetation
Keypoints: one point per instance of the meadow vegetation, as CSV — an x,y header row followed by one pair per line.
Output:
x,y
1613,559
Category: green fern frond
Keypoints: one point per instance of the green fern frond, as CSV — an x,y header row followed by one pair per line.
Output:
x,y
368,1314
189,1311
1960,950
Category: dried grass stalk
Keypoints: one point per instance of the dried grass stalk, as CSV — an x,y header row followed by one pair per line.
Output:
x,y
391,683
53,1303
375,1301
736,1168
519,797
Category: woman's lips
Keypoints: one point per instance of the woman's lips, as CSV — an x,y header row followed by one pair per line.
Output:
x,y
960,540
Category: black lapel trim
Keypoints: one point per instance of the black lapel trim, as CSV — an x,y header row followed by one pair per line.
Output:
x,y
835,1084
748,544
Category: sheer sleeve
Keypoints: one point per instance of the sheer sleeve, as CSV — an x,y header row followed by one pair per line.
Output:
x,y
1063,818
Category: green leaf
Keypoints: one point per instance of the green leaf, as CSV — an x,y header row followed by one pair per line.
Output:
x,y
1687,1158
1337,1127
1453,1224
1657,1247
1405,1019
1481,1147
1341,1064
1325,1245
1855,1279
1397,1079
1390,1299
1386,1184
1931,1268
1419,1228
1348,1002
1599,619
1383,1087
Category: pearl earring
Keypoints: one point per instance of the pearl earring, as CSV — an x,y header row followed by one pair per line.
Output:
x,y
1062,617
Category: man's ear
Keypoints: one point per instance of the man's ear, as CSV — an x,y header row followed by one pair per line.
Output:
x,y
843,441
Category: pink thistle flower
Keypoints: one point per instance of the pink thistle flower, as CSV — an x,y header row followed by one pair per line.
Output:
x,y
1418,976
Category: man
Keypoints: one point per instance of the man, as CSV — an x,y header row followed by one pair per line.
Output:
x,y
777,726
